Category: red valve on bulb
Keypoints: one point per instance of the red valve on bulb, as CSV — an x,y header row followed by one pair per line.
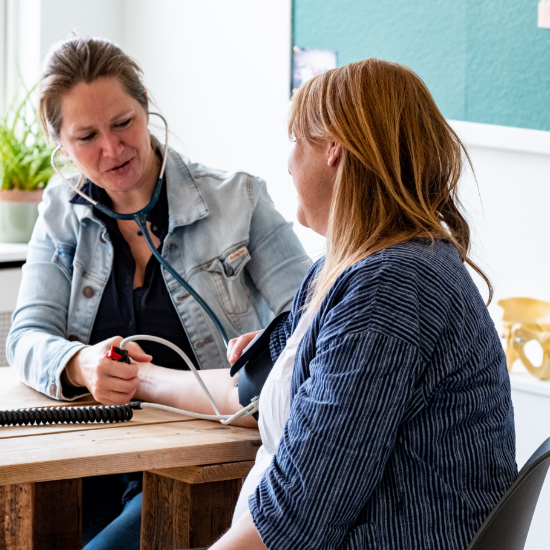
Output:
x,y
117,354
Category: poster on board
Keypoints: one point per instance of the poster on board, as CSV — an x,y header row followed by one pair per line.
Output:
x,y
544,14
307,63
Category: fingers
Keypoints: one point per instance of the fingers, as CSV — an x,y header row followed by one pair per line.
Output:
x,y
118,385
110,382
238,345
115,391
113,382
137,354
230,347
135,351
117,369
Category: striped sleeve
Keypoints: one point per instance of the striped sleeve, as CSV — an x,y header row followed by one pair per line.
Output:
x,y
280,334
342,429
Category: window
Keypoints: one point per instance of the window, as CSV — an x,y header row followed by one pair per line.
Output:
x,y
19,47
3,48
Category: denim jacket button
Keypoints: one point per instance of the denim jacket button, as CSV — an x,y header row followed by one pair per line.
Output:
x,y
53,389
182,297
171,247
88,292
199,345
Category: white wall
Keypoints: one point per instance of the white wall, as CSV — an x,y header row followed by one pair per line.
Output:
x,y
530,406
96,18
220,73
509,208
35,25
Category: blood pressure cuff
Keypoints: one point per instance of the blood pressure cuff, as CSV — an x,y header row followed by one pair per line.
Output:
x,y
255,364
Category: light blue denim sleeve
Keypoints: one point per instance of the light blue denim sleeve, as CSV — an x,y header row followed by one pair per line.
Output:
x,y
278,261
36,346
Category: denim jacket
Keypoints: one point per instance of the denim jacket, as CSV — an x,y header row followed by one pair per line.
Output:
x,y
225,238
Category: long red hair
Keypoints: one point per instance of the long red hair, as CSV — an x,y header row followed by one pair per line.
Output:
x,y
399,167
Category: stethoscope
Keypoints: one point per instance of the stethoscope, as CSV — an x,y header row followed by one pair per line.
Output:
x,y
140,217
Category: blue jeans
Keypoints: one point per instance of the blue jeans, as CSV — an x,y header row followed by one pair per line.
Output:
x,y
106,524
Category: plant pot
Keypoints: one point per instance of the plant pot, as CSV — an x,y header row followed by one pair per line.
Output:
x,y
18,214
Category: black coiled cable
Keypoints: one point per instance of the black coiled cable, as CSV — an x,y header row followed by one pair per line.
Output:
x,y
71,415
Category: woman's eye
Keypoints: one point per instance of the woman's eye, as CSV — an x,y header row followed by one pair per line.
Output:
x,y
125,123
88,137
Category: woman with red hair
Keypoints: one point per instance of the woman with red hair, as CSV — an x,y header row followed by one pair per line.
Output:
x,y
386,420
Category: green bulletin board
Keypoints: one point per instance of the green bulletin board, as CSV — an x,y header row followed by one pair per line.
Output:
x,y
483,60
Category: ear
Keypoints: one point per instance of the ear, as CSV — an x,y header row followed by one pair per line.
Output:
x,y
334,154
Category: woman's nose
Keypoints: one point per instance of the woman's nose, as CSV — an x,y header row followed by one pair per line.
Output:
x,y
111,146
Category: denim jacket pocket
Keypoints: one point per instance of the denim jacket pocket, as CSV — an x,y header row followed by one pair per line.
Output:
x,y
63,258
228,275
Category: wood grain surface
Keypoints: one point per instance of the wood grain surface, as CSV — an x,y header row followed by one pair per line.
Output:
x,y
142,417
15,395
123,448
57,510
179,515
16,511
210,473
41,516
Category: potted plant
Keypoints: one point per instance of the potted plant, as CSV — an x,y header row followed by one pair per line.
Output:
x,y
24,171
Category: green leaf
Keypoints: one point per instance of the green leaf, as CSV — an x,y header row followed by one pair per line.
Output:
x,y
24,152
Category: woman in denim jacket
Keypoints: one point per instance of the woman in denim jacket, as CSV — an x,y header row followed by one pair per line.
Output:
x,y
90,280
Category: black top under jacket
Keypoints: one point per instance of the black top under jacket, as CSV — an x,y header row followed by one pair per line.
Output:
x,y
124,310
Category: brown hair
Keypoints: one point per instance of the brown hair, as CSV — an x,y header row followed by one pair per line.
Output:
x,y
399,167
83,59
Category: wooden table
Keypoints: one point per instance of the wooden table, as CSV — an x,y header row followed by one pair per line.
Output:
x,y
193,473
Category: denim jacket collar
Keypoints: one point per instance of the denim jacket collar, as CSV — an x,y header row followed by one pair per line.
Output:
x,y
185,202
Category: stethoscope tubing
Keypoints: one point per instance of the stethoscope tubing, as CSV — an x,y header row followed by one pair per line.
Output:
x,y
140,217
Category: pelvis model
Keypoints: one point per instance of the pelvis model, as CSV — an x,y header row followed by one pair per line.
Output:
x,y
523,320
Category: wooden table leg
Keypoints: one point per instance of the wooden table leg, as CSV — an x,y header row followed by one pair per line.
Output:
x,y
41,516
16,503
189,507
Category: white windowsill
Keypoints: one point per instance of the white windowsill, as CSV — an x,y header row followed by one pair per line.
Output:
x,y
13,252
522,381
502,137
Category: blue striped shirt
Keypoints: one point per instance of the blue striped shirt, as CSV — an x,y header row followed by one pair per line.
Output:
x,y
401,431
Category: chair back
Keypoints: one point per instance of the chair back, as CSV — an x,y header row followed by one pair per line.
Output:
x,y
507,526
